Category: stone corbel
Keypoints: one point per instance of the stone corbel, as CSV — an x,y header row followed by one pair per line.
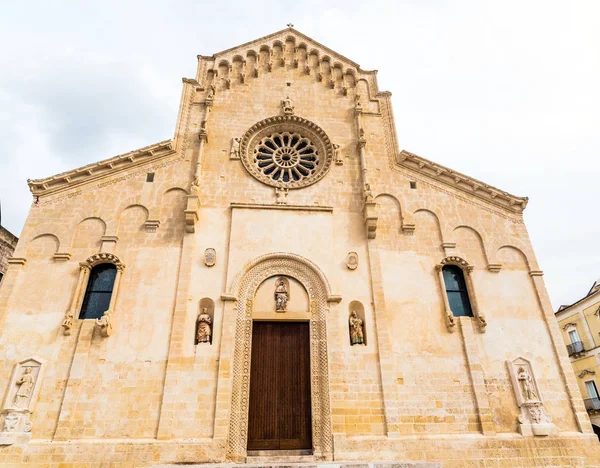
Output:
x,y
370,217
191,213
449,318
62,257
151,225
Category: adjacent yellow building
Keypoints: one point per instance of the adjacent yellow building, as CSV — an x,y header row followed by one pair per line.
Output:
x,y
580,326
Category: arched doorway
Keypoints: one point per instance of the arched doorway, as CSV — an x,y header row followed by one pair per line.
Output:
x,y
319,296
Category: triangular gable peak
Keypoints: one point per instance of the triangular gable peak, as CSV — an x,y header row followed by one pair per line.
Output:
x,y
287,48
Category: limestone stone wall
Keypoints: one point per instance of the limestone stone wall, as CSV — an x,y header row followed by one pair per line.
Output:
x,y
416,391
8,242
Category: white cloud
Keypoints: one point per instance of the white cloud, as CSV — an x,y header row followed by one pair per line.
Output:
x,y
506,92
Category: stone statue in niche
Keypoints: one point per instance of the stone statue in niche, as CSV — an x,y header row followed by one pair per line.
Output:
x,y
234,152
534,420
210,94
286,105
527,384
356,329
281,296
204,333
25,384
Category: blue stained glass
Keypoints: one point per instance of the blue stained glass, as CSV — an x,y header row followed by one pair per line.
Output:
x,y
456,289
99,291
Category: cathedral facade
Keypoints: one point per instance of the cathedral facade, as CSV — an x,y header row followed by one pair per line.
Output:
x,y
280,279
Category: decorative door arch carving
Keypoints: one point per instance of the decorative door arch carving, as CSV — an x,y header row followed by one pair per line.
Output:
x,y
244,287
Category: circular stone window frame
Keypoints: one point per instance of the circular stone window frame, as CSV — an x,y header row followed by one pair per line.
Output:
x,y
286,124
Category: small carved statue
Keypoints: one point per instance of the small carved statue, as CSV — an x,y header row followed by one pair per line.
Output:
x,y
281,296
357,103
281,196
25,384
210,94
368,194
204,327
527,384
356,329
336,154
10,422
234,152
287,106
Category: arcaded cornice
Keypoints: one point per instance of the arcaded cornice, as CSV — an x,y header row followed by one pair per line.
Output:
x,y
282,32
82,175
460,181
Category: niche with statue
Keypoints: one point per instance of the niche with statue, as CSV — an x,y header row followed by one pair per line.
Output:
x,y
356,324
205,322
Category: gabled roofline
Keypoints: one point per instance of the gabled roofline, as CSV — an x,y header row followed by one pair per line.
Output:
x,y
100,169
295,31
461,181
567,307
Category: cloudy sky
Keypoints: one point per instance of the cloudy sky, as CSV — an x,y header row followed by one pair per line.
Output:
x,y
505,91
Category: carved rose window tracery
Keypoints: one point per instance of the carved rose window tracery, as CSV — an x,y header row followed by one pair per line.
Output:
x,y
286,157
286,151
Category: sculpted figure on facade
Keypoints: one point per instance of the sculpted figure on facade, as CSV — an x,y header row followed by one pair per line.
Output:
x,y
356,329
281,296
234,152
287,106
204,333
25,384
527,384
104,324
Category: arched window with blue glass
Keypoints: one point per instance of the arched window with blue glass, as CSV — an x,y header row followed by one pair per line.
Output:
x,y
99,291
458,292
96,292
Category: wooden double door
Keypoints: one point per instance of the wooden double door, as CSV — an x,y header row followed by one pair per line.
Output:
x,y
279,415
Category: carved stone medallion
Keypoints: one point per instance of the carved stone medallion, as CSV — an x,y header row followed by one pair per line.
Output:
x,y
210,257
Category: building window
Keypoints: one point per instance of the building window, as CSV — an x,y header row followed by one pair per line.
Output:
x,y
456,289
99,291
574,336
592,391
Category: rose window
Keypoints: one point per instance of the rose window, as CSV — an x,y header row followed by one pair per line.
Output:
x,y
286,151
286,157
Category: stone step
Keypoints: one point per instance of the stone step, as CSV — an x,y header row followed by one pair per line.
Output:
x,y
311,464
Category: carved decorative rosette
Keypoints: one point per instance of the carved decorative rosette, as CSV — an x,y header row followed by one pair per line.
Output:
x,y
286,151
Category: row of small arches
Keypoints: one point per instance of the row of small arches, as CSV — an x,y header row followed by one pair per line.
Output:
x,y
47,240
279,55
470,243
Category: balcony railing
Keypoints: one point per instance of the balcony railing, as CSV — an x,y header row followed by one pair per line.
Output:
x,y
592,404
575,348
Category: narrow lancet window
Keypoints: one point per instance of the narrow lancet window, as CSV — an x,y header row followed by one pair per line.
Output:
x,y
99,291
456,289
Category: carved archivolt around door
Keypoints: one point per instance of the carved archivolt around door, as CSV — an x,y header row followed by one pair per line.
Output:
x,y
244,289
